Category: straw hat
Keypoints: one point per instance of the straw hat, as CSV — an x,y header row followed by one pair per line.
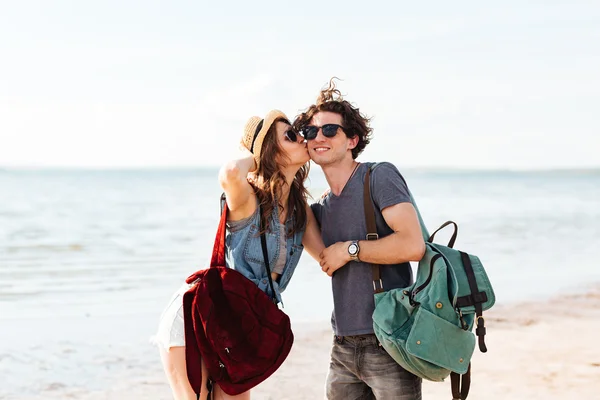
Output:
x,y
255,131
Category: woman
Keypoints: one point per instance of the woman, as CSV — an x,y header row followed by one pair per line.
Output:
x,y
271,173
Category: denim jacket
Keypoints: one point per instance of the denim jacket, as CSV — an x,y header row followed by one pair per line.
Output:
x,y
244,251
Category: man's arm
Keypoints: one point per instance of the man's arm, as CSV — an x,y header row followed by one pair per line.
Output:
x,y
404,244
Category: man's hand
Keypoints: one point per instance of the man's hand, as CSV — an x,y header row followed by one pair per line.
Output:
x,y
334,257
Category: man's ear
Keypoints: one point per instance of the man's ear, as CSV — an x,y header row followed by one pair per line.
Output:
x,y
353,142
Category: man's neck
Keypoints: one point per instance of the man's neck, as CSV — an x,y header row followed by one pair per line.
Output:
x,y
339,174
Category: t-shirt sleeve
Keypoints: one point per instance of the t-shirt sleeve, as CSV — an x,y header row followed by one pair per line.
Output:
x,y
388,186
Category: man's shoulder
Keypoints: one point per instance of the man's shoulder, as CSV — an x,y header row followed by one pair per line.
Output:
x,y
321,201
385,170
383,167
386,177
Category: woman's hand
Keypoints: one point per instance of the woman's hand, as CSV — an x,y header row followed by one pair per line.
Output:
x,y
334,257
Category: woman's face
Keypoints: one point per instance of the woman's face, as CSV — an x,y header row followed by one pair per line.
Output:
x,y
296,152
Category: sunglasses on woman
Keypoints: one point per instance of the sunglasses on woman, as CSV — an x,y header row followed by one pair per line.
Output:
x,y
291,135
329,130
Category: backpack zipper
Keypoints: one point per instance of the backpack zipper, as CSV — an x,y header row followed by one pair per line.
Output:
x,y
420,288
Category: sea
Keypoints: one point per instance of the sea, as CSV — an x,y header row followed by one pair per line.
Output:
x,y
89,258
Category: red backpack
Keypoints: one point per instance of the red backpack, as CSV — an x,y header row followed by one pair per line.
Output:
x,y
239,332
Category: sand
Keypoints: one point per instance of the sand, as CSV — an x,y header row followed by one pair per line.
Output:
x,y
536,350
544,350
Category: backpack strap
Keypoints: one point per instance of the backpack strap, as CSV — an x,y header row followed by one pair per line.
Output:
x,y
372,231
454,235
218,254
263,243
480,330
458,392
372,226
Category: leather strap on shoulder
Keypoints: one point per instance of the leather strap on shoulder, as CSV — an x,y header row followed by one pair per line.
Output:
x,y
372,231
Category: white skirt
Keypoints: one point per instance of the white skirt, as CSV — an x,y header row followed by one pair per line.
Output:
x,y
170,331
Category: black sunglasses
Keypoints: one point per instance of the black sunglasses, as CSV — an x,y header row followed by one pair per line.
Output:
x,y
329,130
291,135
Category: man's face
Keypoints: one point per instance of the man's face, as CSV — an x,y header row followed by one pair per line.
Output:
x,y
327,151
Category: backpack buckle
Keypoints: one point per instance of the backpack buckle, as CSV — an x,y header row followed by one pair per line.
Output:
x,y
463,323
380,289
372,236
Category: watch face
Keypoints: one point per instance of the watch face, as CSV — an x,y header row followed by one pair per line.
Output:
x,y
352,249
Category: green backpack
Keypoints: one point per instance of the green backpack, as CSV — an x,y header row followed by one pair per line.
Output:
x,y
426,327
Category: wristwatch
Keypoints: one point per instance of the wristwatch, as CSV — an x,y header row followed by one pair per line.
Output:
x,y
353,250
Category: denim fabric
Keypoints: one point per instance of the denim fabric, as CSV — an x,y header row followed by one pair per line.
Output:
x,y
360,369
244,251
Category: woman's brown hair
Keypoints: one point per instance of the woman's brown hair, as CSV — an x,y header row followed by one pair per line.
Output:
x,y
270,187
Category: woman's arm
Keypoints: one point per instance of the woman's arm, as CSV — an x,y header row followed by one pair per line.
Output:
x,y
312,241
233,178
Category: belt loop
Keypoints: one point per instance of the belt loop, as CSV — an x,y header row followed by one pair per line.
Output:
x,y
339,339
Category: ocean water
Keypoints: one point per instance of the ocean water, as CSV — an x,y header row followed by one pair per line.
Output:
x,y
88,259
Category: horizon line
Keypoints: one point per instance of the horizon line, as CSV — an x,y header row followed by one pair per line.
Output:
x,y
413,168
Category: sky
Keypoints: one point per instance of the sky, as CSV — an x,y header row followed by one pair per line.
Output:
x,y
470,84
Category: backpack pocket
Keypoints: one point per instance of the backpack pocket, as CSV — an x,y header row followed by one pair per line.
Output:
x,y
440,342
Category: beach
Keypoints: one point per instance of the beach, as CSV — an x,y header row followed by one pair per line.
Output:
x,y
120,119
536,350
87,267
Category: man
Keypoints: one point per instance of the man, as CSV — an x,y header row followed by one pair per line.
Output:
x,y
336,133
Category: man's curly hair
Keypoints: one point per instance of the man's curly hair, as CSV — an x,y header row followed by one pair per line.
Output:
x,y
330,99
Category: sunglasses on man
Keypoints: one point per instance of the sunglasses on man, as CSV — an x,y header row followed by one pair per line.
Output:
x,y
329,130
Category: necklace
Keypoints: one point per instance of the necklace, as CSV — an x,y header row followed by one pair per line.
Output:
x,y
350,177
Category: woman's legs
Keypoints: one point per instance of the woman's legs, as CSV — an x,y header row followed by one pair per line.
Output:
x,y
174,365
220,395
175,368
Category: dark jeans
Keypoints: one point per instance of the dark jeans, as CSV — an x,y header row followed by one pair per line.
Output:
x,y
360,369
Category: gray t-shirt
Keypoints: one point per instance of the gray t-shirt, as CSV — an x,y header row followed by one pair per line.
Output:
x,y
341,219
